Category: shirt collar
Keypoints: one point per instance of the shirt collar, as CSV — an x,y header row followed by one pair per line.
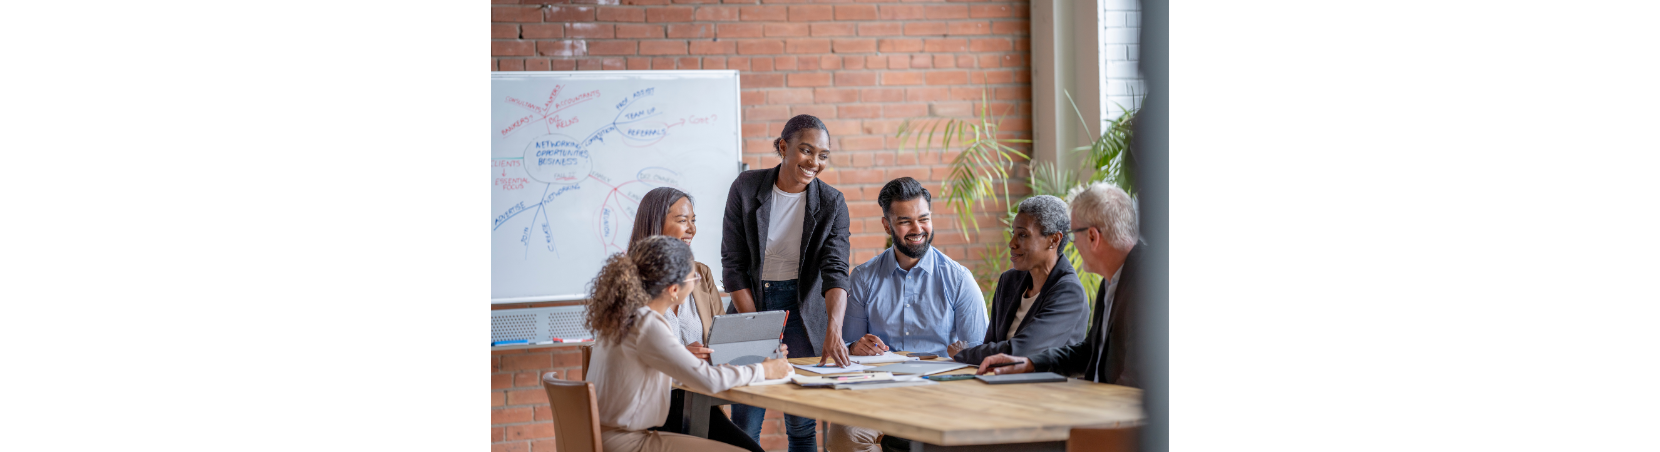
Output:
x,y
890,258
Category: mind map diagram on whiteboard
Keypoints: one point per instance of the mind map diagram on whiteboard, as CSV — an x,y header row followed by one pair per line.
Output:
x,y
563,134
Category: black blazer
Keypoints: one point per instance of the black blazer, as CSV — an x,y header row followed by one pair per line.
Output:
x,y
824,245
1105,356
1059,316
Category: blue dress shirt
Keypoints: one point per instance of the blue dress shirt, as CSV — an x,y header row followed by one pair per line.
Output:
x,y
921,310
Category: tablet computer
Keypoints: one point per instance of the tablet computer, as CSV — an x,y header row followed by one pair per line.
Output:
x,y
1035,377
746,338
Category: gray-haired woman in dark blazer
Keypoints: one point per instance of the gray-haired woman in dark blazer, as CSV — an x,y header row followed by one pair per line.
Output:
x,y
1040,303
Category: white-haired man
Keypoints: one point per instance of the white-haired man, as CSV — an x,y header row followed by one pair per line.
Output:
x,y
1105,232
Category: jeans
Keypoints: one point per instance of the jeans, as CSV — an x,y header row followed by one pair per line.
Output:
x,y
803,432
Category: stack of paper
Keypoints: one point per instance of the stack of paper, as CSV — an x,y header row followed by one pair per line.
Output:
x,y
821,370
817,382
885,357
884,384
872,380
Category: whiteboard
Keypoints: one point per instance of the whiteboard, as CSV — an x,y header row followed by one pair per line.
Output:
x,y
572,153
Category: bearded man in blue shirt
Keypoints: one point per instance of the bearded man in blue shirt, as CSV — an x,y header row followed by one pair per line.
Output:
x,y
911,297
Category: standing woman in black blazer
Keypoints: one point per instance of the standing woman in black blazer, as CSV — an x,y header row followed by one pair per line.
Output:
x,y
784,248
1039,304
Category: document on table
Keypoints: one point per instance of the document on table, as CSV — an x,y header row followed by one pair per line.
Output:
x,y
885,357
855,367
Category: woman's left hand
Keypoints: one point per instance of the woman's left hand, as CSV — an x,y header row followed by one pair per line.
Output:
x,y
699,350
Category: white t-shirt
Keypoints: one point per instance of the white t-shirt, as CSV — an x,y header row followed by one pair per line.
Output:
x,y
783,259
1020,314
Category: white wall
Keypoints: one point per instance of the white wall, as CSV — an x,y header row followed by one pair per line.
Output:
x,y
1120,50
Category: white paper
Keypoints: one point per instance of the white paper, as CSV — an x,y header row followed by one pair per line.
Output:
x,y
855,367
885,357
886,384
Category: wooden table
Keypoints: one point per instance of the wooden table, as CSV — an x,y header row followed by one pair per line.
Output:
x,y
966,415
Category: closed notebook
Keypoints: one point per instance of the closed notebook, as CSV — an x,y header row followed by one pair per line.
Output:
x,y
1036,377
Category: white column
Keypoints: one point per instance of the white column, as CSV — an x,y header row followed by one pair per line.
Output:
x,y
1065,59
1120,52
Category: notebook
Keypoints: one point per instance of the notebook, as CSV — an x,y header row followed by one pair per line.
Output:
x,y
922,367
885,357
1036,377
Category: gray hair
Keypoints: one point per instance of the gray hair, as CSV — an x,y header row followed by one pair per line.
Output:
x,y
1050,213
1105,206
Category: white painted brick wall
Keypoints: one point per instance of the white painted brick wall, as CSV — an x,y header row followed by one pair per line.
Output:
x,y
1120,51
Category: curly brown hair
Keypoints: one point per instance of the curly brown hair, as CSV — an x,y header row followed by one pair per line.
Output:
x,y
629,280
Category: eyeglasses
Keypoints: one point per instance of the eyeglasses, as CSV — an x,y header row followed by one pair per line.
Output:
x,y
1072,235
694,278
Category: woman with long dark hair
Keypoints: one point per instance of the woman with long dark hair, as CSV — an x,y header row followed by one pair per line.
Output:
x,y
636,352
784,247
667,211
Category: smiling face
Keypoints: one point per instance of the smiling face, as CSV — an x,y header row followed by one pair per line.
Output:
x,y
910,225
805,156
1028,247
681,222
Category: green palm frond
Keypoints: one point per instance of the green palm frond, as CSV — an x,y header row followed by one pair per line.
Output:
x,y
980,173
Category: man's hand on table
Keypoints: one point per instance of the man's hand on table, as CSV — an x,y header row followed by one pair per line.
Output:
x,y
951,350
870,345
1025,365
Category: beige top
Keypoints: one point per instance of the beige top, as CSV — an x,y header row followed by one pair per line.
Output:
x,y
631,379
1025,305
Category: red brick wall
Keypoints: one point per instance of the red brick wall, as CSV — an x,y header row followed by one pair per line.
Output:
x,y
863,67
520,418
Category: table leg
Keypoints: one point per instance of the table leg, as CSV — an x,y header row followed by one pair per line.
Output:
x,y
695,411
1050,446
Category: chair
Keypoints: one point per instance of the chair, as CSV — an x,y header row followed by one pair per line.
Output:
x,y
575,412
1096,439
587,350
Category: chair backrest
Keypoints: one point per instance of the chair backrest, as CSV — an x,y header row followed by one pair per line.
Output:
x,y
1094,439
587,350
575,413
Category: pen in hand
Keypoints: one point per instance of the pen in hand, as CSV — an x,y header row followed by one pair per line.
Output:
x,y
992,369
1010,363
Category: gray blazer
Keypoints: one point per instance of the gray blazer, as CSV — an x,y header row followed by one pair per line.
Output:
x,y
824,245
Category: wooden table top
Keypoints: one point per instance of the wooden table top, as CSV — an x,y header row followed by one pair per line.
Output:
x,y
952,413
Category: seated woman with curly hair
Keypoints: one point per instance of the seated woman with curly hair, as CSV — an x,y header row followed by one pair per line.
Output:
x,y
637,352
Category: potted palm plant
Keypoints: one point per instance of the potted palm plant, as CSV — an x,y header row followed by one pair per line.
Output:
x,y
982,171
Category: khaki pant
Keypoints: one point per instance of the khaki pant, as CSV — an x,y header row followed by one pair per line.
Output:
x,y
655,441
842,438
